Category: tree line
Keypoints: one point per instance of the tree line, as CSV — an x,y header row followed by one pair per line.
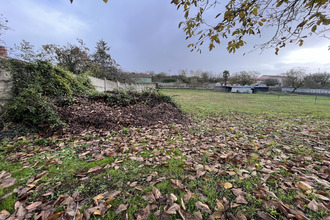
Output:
x,y
75,58
294,78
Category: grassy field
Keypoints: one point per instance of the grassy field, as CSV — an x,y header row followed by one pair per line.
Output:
x,y
287,104
244,156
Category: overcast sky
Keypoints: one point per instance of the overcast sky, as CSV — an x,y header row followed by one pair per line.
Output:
x,y
144,36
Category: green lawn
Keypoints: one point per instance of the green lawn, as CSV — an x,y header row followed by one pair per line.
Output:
x,y
257,156
196,100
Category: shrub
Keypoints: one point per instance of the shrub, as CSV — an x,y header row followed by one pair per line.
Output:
x,y
38,88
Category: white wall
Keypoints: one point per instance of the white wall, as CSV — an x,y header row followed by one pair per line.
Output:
x,y
5,88
102,85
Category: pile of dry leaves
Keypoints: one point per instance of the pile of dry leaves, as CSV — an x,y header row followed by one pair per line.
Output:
x,y
96,114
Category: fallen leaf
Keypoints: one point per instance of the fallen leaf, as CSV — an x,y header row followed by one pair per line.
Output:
x,y
231,173
303,185
133,184
313,206
218,214
172,210
228,185
41,174
240,215
98,197
187,196
143,213
220,206
182,204
4,214
55,215
8,182
264,216
186,215
140,159
33,206
238,191
121,208
203,207
97,212
156,193
177,184
241,200
96,170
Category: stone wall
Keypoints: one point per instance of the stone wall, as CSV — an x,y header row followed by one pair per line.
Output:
x,y
102,85
5,87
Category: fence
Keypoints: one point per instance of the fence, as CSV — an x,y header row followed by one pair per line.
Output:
x,y
308,91
102,85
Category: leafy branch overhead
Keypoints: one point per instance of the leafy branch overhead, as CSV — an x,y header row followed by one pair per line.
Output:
x,y
290,21
232,21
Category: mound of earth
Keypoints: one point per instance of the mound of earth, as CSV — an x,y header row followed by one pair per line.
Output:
x,y
96,114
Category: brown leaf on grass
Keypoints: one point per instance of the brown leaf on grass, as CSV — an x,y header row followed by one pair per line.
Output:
x,y
203,207
264,216
59,199
172,210
182,204
218,214
303,185
55,215
177,184
121,208
238,191
140,159
156,193
4,214
313,205
231,173
200,173
99,196
113,194
8,182
96,170
228,185
220,206
241,200
322,197
149,178
198,215
149,197
133,184
187,196
38,176
143,213
240,215
186,215
21,212
173,197
299,214
33,206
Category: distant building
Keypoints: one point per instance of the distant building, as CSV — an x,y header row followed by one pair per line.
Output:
x,y
141,78
262,79
244,89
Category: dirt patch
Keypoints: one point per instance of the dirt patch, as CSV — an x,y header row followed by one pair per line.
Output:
x,y
96,114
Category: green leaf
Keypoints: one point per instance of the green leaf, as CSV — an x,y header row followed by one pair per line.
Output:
x,y
106,1
255,11
279,4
